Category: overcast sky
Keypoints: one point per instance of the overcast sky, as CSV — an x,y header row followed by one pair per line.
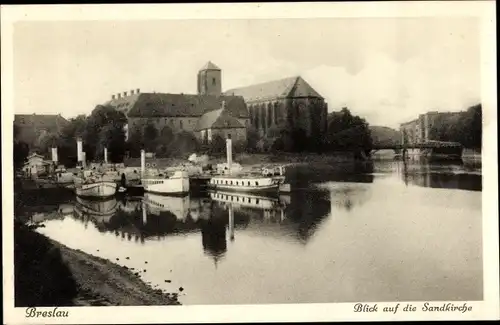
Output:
x,y
386,70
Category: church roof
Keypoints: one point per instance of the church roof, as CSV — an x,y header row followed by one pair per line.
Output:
x,y
210,66
218,119
292,87
177,105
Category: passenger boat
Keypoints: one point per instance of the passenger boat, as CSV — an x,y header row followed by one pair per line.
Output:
x,y
249,183
269,180
164,182
94,185
176,183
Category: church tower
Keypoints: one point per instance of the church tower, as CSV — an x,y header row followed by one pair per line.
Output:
x,y
209,80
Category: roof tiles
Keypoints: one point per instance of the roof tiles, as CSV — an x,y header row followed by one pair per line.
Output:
x,y
282,88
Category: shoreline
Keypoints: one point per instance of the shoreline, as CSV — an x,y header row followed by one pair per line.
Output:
x,y
63,276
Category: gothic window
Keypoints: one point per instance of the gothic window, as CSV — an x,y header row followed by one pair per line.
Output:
x,y
275,111
263,116
269,115
213,81
180,124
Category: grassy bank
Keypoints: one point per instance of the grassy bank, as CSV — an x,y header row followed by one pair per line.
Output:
x,y
47,273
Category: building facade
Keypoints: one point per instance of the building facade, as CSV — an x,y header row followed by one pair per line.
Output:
x,y
32,127
219,123
180,112
423,128
289,103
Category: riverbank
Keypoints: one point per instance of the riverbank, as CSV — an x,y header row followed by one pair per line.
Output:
x,y
48,273
257,159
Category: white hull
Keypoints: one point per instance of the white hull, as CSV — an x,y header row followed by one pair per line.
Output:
x,y
99,189
174,185
246,184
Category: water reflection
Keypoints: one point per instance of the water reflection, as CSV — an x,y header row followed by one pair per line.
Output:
x,y
352,227
448,176
217,216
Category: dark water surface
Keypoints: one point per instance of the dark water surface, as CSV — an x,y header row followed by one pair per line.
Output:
x,y
383,231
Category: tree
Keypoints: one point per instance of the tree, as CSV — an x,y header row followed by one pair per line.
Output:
x,y
150,136
135,140
165,141
348,132
21,150
183,144
218,145
66,143
466,128
113,122
252,139
112,138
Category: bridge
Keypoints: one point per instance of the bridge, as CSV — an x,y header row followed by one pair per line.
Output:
x,y
422,145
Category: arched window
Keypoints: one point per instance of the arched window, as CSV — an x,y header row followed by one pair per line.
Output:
x,y
250,111
269,115
264,117
180,124
275,111
257,117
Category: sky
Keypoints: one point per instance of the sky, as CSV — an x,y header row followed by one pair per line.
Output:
x,y
385,70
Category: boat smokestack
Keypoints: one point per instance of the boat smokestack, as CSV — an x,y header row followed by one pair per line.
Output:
x,y
105,155
229,152
54,154
79,149
143,162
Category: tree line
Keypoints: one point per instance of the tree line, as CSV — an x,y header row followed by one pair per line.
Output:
x,y
465,128
345,132
105,128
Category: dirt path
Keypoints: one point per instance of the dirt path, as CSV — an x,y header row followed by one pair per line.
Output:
x,y
101,282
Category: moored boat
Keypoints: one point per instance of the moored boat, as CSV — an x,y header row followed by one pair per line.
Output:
x,y
175,184
164,182
246,183
92,185
269,180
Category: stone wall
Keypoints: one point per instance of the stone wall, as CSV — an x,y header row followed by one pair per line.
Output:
x,y
176,124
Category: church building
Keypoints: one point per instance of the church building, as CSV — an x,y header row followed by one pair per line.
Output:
x,y
289,103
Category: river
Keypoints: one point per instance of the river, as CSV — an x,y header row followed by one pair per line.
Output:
x,y
382,231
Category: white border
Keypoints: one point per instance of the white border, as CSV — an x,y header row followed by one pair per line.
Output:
x,y
487,309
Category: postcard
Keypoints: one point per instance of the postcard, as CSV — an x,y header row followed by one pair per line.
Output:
x,y
249,162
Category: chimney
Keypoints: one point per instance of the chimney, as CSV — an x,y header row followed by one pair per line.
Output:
x,y
119,95
143,162
124,94
112,96
229,152
132,92
54,155
79,149
138,91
